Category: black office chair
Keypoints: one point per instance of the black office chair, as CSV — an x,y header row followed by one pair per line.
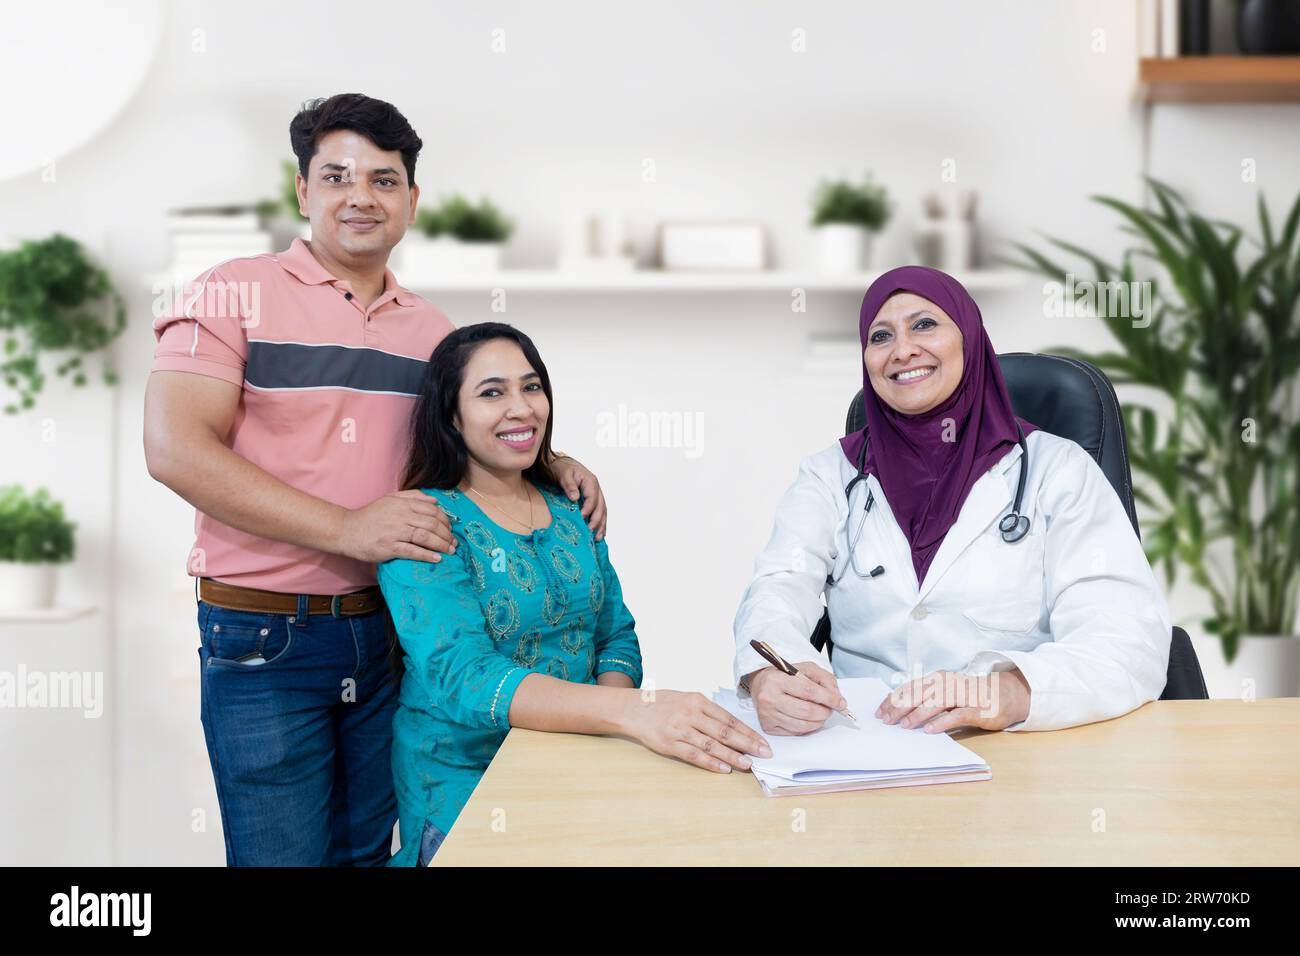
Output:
x,y
1071,398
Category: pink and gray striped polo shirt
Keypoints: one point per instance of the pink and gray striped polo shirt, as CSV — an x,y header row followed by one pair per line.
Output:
x,y
328,388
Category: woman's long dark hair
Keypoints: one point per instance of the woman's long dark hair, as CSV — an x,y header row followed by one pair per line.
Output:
x,y
437,456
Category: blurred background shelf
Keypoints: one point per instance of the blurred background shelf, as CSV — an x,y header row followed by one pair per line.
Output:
x,y
1220,79
648,280
45,614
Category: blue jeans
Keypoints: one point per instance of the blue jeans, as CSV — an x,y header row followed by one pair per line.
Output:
x,y
298,715
430,840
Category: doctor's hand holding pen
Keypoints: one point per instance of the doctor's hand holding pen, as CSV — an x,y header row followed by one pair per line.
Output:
x,y
795,704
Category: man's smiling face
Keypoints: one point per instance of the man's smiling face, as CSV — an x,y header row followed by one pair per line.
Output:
x,y
357,197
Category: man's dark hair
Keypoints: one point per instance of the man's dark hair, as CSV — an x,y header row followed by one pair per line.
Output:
x,y
377,121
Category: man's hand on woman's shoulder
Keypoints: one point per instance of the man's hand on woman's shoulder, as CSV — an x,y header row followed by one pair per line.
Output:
x,y
404,524
577,481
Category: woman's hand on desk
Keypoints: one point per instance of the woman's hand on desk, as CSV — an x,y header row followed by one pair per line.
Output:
x,y
693,728
793,705
948,699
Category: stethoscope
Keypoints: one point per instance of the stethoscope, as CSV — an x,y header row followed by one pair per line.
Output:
x,y
1013,525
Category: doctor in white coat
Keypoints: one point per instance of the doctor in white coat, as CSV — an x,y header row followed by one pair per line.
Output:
x,y
977,612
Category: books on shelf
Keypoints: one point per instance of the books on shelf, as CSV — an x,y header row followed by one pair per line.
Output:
x,y
1168,28
201,239
201,221
1173,28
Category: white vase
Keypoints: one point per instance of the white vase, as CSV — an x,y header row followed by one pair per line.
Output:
x,y
1265,666
946,244
844,247
25,586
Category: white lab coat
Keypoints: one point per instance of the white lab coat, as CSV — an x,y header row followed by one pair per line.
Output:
x,y
1074,604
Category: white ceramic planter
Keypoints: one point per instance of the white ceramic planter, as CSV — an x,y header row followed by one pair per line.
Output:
x,y
428,258
25,586
1265,666
418,256
284,229
480,256
844,248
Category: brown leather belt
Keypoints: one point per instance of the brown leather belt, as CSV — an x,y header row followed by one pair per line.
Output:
x,y
236,598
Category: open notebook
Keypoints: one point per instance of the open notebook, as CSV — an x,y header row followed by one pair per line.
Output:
x,y
865,756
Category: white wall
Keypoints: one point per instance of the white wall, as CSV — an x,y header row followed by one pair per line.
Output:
x,y
738,127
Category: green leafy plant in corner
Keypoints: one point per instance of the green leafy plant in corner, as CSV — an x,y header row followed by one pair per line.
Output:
x,y
845,203
1223,344
52,299
33,529
455,216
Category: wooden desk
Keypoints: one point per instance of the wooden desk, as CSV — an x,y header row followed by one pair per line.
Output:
x,y
1174,783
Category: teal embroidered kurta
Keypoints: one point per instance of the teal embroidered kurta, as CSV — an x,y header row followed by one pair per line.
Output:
x,y
475,624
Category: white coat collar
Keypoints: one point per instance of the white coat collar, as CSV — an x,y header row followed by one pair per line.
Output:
x,y
989,498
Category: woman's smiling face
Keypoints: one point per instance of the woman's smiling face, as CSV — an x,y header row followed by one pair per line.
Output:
x,y
503,408
913,336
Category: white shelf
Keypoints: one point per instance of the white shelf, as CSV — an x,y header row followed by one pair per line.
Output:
x,y
45,615
649,280
657,281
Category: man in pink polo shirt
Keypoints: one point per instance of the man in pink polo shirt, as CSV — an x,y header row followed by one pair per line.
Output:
x,y
279,406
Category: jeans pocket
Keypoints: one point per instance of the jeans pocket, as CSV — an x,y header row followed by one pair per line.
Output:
x,y
430,839
245,640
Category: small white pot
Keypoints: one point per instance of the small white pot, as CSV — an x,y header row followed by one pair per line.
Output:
x,y
429,258
285,228
1265,666
844,248
421,257
480,256
25,586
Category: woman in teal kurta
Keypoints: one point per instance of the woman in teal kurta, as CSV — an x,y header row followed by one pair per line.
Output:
x,y
523,625
476,624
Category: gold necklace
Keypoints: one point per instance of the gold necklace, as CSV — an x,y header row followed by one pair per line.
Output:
x,y
506,513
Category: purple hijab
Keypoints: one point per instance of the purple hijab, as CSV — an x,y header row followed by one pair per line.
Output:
x,y
925,478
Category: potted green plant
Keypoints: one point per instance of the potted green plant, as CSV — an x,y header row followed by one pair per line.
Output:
x,y
1220,341
280,216
34,538
427,250
846,215
53,299
456,236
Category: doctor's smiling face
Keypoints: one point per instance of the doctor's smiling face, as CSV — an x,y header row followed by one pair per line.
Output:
x,y
913,355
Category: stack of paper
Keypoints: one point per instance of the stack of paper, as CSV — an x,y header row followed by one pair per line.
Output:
x,y
862,756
